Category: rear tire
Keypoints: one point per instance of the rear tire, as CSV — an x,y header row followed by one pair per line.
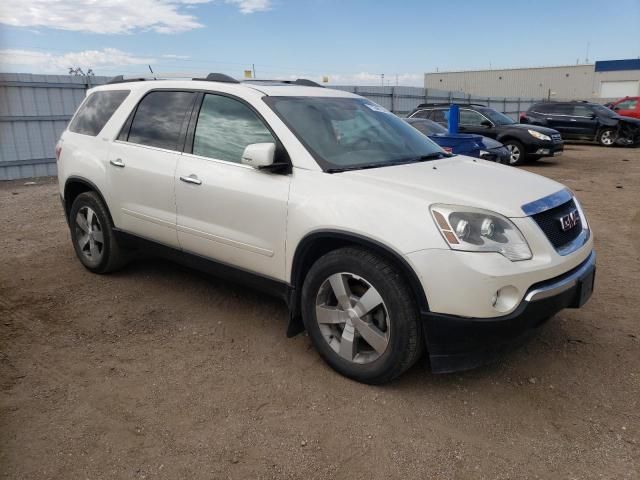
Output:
x,y
92,235
607,137
518,155
361,316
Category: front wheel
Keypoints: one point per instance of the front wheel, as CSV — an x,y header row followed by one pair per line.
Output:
x,y
607,137
517,155
361,315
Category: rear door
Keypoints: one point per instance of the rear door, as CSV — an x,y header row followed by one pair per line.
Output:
x,y
142,165
559,116
228,211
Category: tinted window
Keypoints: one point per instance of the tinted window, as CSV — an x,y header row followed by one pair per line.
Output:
x,y
225,127
421,114
96,111
582,111
440,116
469,117
158,119
562,109
541,108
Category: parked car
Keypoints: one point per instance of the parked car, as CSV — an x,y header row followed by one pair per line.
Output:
x,y
584,121
382,245
462,143
627,107
524,142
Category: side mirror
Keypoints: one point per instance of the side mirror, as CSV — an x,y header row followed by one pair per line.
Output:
x,y
259,155
486,123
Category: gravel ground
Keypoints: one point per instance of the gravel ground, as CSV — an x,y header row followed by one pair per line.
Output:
x,y
159,372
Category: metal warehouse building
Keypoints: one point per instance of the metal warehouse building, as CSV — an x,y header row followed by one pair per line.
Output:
x,y
604,79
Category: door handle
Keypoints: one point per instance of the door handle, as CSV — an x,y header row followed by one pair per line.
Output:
x,y
192,179
117,162
573,120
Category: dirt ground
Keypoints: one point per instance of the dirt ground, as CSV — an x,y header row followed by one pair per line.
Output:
x,y
160,372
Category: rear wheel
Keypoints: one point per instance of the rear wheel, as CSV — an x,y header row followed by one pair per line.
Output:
x,y
607,137
517,155
361,315
92,235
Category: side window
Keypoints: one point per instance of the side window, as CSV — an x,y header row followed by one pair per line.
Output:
x,y
225,127
96,111
469,117
542,108
159,118
627,105
421,114
562,109
439,116
582,111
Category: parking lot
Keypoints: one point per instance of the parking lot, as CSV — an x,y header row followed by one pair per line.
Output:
x,y
160,372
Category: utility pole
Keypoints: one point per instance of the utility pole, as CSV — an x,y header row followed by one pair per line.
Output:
x,y
253,67
382,79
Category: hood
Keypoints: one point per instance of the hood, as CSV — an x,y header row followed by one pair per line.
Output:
x,y
465,181
537,128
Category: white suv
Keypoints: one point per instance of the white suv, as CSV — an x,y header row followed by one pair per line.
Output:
x,y
382,245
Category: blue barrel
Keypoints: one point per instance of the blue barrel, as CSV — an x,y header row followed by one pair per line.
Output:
x,y
461,143
454,118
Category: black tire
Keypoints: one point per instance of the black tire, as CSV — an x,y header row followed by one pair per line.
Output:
x,y
607,137
518,154
109,255
405,342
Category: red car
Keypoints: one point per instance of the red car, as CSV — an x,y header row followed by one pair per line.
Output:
x,y
627,107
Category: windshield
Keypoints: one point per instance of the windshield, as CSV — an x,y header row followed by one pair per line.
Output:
x,y
497,117
350,133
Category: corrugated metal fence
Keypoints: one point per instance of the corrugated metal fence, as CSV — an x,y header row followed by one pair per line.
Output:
x,y
35,109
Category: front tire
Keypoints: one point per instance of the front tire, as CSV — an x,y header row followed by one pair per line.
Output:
x,y
361,315
92,235
607,137
517,153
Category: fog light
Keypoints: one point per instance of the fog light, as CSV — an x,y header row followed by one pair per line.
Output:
x,y
506,298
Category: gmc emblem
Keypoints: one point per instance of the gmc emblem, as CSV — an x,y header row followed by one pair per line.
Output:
x,y
567,222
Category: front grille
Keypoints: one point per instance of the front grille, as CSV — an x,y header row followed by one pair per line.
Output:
x,y
556,138
549,222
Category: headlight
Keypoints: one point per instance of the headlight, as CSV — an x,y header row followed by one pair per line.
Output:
x,y
538,135
474,230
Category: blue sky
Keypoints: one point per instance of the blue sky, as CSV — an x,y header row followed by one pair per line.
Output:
x,y
351,41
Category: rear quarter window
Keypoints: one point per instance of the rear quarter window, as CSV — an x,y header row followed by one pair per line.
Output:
x,y
96,111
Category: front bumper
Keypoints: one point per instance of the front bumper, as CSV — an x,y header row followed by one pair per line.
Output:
x,y
545,148
459,343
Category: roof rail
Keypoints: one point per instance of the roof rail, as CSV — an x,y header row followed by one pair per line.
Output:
x,y
446,104
121,79
303,82
218,77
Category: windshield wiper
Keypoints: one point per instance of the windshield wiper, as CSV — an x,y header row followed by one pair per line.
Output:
x,y
363,166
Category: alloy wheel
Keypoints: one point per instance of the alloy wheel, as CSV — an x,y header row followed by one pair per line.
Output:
x,y
606,138
353,318
89,235
514,152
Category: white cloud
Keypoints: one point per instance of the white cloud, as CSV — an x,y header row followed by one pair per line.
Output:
x,y
173,56
48,62
113,16
251,6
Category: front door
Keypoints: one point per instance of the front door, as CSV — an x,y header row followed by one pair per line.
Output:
x,y
228,211
474,122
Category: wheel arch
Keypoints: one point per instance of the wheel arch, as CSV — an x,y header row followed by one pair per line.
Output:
x,y
316,244
76,185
